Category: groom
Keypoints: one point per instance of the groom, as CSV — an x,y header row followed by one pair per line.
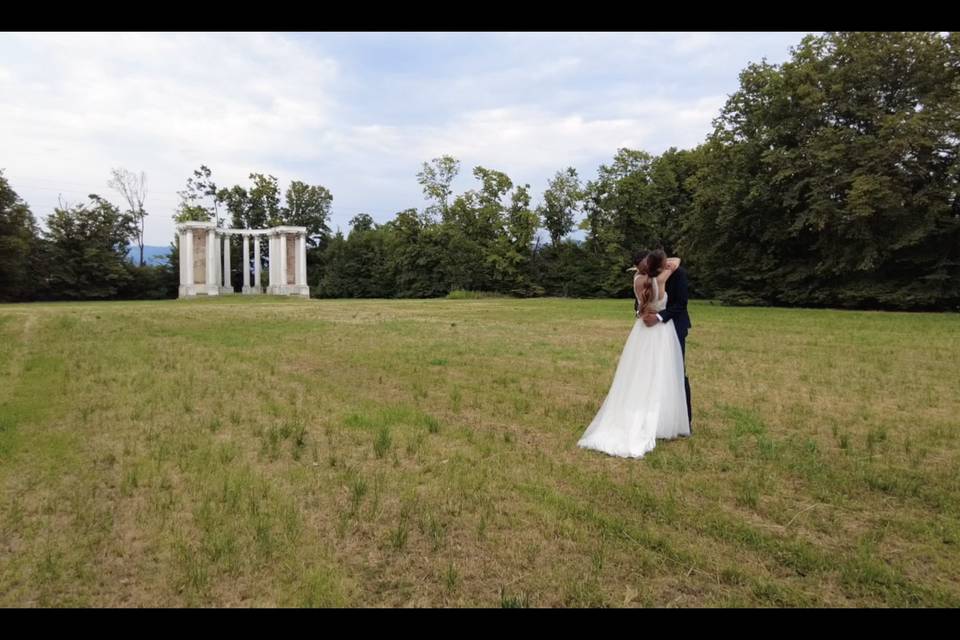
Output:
x,y
677,311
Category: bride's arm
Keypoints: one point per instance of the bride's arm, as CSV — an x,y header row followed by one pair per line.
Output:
x,y
668,269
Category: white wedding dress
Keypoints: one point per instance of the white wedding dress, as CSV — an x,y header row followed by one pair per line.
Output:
x,y
647,399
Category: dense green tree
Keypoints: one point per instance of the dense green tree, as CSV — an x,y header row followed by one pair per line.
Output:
x,y
88,250
417,255
561,200
308,206
436,178
357,266
833,178
620,217
18,241
199,200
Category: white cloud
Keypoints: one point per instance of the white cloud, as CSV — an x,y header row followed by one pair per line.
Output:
x,y
323,109
690,42
79,104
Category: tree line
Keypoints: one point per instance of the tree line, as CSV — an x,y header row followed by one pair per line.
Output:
x,y
828,180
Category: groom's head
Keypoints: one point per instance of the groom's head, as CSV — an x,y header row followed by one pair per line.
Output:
x,y
639,257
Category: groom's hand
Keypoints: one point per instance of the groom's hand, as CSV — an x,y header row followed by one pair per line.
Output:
x,y
650,319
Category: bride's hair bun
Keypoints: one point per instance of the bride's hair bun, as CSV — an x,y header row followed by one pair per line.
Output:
x,y
655,261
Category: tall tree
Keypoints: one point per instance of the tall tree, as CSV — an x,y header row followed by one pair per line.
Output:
x,y
561,200
264,197
671,196
237,203
436,178
199,201
833,177
361,222
18,236
133,189
474,221
88,249
358,266
512,251
417,255
619,216
309,206
259,205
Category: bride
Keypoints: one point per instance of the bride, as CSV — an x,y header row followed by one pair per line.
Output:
x,y
647,399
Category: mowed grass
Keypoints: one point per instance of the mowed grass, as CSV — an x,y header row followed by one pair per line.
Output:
x,y
281,452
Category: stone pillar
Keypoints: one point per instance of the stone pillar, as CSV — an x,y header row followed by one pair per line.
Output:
x,y
275,264
256,264
182,252
186,264
271,263
189,257
300,287
246,263
212,285
283,263
275,281
301,260
227,283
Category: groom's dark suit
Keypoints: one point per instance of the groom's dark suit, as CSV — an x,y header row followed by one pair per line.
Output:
x,y
677,311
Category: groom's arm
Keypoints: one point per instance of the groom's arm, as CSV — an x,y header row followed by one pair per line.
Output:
x,y
678,299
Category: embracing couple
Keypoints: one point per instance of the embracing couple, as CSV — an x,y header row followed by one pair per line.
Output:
x,y
650,394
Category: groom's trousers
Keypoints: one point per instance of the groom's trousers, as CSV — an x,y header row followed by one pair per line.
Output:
x,y
686,380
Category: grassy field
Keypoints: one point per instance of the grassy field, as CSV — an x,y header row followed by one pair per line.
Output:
x,y
280,452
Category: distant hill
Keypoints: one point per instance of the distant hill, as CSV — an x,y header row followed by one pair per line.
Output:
x,y
151,255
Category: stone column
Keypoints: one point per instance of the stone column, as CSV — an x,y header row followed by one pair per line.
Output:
x,y
186,264
246,263
298,261
283,263
181,249
189,258
275,262
227,283
271,263
212,286
256,264
301,260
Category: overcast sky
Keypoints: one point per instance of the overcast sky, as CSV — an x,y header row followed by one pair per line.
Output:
x,y
355,112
